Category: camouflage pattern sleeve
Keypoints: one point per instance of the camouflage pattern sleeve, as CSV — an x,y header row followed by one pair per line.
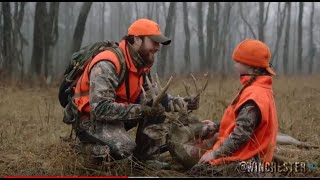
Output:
x,y
247,121
103,83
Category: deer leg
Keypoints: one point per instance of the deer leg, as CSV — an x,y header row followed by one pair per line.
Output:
x,y
284,139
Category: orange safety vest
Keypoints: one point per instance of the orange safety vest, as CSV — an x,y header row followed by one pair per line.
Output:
x,y
135,79
263,140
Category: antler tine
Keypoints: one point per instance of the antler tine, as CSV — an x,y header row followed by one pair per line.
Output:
x,y
171,106
187,87
153,94
182,107
204,86
206,82
195,83
162,93
143,93
158,81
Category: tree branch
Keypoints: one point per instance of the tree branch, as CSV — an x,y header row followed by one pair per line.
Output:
x,y
266,17
245,21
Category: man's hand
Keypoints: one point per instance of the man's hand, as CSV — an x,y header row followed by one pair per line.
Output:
x,y
152,111
206,157
192,102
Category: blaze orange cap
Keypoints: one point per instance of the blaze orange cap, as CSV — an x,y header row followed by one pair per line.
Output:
x,y
146,27
254,53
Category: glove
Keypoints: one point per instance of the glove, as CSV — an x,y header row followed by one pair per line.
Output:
x,y
192,102
155,111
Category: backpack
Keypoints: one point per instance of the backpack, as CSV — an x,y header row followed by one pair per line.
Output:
x,y
74,70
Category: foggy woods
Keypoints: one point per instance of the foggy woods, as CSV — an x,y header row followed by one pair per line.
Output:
x,y
38,38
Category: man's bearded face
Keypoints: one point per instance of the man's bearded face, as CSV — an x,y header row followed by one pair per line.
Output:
x,y
148,50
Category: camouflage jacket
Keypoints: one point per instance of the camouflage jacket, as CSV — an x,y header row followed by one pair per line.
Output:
x,y
103,83
248,119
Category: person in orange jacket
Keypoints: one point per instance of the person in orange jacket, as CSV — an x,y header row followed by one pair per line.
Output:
x,y
110,106
249,126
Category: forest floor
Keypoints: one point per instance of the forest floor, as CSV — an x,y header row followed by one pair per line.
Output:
x,y
32,130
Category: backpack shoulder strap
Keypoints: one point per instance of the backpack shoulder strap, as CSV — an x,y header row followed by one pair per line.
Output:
x,y
123,65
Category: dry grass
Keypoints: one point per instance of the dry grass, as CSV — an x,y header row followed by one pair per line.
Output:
x,y
31,127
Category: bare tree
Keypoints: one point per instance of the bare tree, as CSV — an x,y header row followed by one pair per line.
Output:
x,y
103,7
38,39
263,18
162,63
286,40
1,37
312,48
157,12
246,22
299,55
187,36
280,21
210,29
172,68
224,33
137,10
200,35
18,39
150,8
8,54
51,38
80,27
217,37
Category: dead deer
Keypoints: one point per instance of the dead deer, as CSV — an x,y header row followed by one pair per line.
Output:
x,y
183,131
187,137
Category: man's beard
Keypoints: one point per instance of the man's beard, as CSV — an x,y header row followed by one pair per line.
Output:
x,y
145,55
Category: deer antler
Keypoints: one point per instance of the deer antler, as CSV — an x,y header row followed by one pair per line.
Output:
x,y
157,92
198,90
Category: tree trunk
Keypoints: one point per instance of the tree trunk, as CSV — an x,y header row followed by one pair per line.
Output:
x,y
150,10
312,48
223,37
162,64
260,23
286,41
20,40
200,35
38,39
80,27
157,13
102,21
217,37
51,38
1,39
120,20
172,68
299,55
280,21
263,17
246,22
187,36
210,29
7,51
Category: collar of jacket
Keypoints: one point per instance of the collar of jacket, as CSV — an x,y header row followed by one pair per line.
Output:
x,y
137,61
262,81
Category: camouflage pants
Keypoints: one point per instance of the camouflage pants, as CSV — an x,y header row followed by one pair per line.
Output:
x,y
112,141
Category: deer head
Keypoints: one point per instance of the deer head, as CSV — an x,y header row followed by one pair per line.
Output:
x,y
186,133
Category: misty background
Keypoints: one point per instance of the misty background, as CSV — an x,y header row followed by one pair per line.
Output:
x,y
38,38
